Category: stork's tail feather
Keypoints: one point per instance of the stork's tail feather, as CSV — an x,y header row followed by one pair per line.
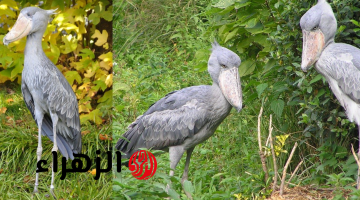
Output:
x,y
127,144
62,144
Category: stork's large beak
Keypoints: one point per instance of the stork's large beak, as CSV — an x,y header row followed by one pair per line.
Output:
x,y
313,45
229,82
21,29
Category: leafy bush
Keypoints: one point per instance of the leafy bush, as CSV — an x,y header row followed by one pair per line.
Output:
x,y
164,48
78,40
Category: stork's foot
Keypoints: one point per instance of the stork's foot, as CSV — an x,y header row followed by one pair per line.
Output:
x,y
36,189
52,191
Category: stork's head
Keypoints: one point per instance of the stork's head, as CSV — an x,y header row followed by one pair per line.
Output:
x,y
30,20
318,27
223,67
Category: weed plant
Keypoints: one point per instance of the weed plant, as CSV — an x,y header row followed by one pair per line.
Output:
x,y
18,144
161,46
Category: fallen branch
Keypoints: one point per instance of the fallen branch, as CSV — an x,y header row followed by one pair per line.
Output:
x,y
262,156
285,168
294,172
273,155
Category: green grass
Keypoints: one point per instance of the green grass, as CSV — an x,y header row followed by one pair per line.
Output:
x,y
216,165
18,144
162,46
147,70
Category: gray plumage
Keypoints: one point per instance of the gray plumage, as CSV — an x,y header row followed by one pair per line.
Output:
x,y
184,118
43,84
339,63
46,92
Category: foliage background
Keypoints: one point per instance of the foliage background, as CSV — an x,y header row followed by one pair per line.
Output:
x,y
78,40
163,46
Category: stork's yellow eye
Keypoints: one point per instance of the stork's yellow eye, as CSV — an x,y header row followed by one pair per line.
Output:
x,y
315,28
223,66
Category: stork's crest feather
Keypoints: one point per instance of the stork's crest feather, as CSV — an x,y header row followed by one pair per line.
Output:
x,y
51,12
215,45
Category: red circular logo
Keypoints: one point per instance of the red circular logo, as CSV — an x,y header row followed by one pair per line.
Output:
x,y
142,164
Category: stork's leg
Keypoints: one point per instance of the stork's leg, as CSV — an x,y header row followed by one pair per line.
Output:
x,y
175,154
54,119
39,119
186,170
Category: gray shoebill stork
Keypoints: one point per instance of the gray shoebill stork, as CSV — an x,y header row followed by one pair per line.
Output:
x,y
184,118
46,92
339,63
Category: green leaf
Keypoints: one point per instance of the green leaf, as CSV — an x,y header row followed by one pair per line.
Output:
x,y
94,18
94,116
256,29
120,86
107,15
269,65
231,35
260,88
224,3
246,67
355,22
244,44
16,70
107,96
71,76
7,72
241,4
99,84
188,187
316,79
177,35
251,23
201,58
87,53
173,194
70,44
277,106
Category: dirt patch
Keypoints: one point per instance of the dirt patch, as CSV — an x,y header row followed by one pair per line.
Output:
x,y
308,192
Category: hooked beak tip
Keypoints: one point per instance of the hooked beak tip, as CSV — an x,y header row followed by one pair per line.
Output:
x,y
304,67
6,42
238,109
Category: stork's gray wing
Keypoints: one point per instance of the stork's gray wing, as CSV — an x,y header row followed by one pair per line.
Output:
x,y
165,127
344,66
47,125
61,98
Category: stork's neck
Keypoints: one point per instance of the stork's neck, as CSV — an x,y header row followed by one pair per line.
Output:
x,y
330,41
33,48
217,96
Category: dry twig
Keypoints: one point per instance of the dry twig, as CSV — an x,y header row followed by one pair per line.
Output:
x,y
358,163
273,155
262,156
294,172
285,168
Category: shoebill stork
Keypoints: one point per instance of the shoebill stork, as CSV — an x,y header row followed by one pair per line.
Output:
x,y
46,92
339,63
184,118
